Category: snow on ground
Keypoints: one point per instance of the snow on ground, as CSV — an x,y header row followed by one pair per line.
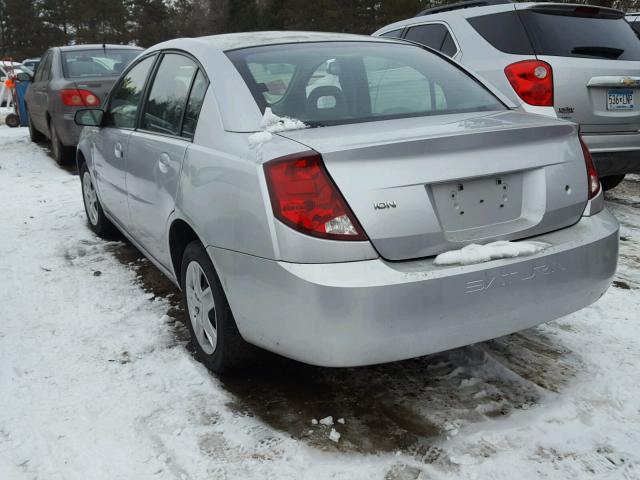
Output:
x,y
97,381
4,111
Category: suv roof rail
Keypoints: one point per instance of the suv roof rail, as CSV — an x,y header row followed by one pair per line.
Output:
x,y
461,5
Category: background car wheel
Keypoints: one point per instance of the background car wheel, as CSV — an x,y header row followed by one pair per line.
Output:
x,y
61,154
96,218
35,135
213,329
611,181
12,120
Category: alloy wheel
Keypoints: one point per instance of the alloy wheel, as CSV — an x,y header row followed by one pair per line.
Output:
x,y
201,306
90,198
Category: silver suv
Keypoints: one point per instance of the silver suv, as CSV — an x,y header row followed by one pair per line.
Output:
x,y
575,62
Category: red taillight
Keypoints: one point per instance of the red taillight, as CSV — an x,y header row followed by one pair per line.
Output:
x,y
533,81
304,197
593,186
79,98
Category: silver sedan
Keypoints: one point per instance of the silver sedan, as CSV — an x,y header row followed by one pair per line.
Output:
x,y
343,200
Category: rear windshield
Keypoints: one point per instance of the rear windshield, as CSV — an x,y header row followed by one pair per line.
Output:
x,y
350,82
96,63
579,34
586,32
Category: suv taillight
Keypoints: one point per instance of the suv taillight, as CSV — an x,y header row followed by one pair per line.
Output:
x,y
593,186
304,197
532,80
73,97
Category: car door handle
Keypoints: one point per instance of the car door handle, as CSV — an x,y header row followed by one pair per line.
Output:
x,y
164,163
117,151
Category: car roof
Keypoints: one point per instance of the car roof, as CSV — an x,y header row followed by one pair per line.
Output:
x,y
477,10
97,46
233,41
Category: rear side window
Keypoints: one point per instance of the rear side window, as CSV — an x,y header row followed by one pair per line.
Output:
x,y
436,36
168,95
429,35
194,105
392,34
504,31
580,32
43,73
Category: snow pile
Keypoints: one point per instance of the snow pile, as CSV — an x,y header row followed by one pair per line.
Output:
x,y
483,253
4,111
272,123
327,421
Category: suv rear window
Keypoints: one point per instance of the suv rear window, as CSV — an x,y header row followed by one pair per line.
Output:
x,y
576,32
563,31
336,83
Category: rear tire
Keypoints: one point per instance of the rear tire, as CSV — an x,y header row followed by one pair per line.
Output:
x,y
611,181
218,343
61,154
96,218
34,134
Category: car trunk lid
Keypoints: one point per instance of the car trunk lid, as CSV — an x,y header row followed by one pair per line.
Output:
x,y
422,186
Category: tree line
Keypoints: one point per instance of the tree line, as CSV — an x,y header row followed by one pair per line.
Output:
x,y
29,27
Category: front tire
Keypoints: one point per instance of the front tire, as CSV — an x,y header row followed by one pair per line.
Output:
x,y
96,218
611,181
213,329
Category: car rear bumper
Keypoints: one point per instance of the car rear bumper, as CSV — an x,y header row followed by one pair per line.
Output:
x,y
367,312
68,131
614,153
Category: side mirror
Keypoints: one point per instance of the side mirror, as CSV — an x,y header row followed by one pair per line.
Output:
x,y
89,117
23,77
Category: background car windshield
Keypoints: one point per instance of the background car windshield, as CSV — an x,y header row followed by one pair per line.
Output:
x,y
96,63
349,82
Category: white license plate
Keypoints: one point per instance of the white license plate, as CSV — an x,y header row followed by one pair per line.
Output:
x,y
620,99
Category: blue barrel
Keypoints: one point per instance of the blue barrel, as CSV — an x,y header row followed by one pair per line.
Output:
x,y
21,90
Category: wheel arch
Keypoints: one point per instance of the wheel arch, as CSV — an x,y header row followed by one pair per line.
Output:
x,y
181,234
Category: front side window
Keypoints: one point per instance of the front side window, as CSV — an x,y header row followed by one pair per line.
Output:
x,y
96,63
351,82
168,95
125,99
